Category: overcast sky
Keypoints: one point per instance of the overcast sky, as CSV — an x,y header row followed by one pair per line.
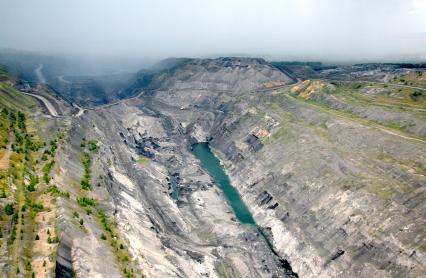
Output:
x,y
314,29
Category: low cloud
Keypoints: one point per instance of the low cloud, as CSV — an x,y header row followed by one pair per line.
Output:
x,y
285,29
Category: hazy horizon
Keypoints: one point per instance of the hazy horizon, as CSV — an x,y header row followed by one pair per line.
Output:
x,y
327,30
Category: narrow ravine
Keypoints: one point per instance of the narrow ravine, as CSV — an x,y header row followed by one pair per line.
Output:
x,y
212,164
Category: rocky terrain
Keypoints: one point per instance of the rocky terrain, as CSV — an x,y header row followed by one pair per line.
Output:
x,y
333,171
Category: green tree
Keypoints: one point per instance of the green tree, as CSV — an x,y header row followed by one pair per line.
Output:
x,y
9,209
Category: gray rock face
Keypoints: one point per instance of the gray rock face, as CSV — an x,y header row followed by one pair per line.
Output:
x,y
223,74
64,259
193,237
341,210
335,207
337,197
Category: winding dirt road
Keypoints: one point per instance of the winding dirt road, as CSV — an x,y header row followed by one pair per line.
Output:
x,y
49,106
80,110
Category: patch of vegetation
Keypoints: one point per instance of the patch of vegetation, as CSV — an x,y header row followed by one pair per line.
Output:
x,y
119,248
19,131
53,240
143,160
86,201
46,171
344,113
423,247
9,209
384,156
12,99
12,237
93,145
377,232
396,125
382,191
35,206
415,78
85,182
34,180
416,95
281,133
105,222
53,189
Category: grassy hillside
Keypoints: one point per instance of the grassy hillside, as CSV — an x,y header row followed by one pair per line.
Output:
x,y
31,189
414,78
12,99
27,226
401,109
